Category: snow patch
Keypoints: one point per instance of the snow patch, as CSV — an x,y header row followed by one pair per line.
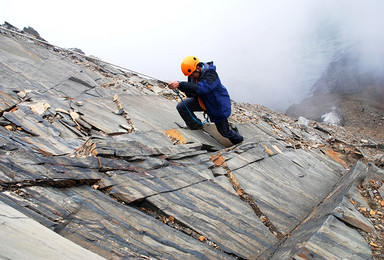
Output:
x,y
331,118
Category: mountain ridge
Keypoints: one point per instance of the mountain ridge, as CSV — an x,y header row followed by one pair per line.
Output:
x,y
84,153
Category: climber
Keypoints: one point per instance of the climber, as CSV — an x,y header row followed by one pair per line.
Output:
x,y
205,93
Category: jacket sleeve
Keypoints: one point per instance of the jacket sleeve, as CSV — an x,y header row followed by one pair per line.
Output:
x,y
189,88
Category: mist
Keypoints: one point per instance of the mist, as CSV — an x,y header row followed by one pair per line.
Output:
x,y
266,52
298,42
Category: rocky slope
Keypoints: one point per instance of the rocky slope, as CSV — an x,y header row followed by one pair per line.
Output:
x,y
85,154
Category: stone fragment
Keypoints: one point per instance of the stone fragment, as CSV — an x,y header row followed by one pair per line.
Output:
x,y
212,130
302,122
347,213
40,107
101,116
52,145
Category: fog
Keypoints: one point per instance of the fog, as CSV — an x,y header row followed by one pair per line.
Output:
x,y
266,52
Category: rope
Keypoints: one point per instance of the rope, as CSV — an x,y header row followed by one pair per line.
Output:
x,y
190,113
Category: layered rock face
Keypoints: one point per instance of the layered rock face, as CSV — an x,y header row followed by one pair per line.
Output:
x,y
93,162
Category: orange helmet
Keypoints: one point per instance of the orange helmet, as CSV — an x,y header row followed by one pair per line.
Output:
x,y
188,66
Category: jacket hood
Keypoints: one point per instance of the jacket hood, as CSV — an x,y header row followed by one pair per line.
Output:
x,y
207,66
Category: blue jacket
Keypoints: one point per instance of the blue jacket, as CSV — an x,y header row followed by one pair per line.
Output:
x,y
213,94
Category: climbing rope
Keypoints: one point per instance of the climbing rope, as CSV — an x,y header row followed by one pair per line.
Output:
x,y
186,107
190,113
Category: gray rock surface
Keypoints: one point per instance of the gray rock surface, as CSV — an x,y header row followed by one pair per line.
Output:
x,y
92,152
36,241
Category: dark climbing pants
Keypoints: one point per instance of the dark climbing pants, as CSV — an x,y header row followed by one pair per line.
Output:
x,y
222,126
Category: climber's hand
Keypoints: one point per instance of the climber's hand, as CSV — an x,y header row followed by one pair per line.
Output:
x,y
173,85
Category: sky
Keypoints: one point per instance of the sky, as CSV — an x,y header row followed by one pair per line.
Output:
x,y
267,52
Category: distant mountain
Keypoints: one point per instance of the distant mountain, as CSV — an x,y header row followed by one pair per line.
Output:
x,y
346,74
349,91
